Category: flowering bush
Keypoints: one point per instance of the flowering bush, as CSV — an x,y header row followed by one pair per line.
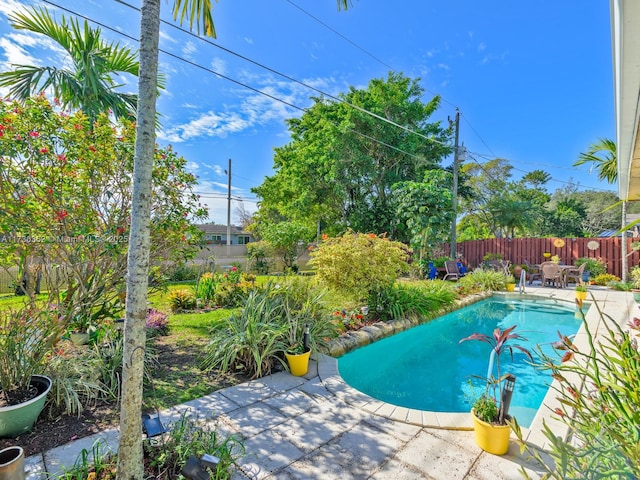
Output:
x,y
357,264
27,337
157,322
65,194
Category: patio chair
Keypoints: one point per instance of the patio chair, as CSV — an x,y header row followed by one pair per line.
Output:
x,y
533,272
574,274
451,269
552,273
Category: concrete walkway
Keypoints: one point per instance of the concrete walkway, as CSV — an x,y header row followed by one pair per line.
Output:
x,y
316,427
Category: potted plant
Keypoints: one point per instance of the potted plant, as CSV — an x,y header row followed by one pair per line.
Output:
x,y
27,337
298,352
581,293
490,411
510,283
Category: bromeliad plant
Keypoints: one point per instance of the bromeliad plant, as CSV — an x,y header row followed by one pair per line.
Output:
x,y
490,407
27,338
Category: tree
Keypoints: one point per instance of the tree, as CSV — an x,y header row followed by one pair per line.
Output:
x,y
130,465
504,207
342,162
287,240
89,84
65,196
603,156
426,210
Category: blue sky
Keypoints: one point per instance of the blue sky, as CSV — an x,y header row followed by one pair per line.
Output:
x,y
532,78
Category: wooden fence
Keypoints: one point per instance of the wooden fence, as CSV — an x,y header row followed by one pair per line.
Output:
x,y
520,249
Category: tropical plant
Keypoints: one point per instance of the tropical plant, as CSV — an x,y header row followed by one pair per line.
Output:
x,y
249,341
157,323
581,288
182,299
481,280
357,264
499,342
595,266
87,83
598,388
406,301
206,287
27,338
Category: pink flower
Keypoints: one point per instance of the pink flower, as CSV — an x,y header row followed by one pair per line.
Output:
x,y
34,134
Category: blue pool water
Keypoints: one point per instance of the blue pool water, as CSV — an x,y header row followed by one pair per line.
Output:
x,y
426,367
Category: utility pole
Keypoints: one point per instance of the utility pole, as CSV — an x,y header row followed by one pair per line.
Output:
x,y
456,158
229,212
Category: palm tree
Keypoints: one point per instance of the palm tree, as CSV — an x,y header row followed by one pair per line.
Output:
x,y
87,83
130,465
603,156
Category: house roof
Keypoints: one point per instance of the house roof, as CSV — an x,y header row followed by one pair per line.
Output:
x,y
212,228
625,39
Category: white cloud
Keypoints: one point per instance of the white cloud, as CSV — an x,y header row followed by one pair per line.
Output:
x,y
481,46
248,40
254,109
189,49
10,6
218,65
15,54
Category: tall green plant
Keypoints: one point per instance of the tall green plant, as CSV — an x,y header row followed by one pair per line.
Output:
x,y
249,341
599,392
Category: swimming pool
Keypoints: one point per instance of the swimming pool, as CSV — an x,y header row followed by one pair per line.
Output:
x,y
426,368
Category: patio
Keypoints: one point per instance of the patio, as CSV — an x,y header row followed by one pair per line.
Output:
x,y
318,427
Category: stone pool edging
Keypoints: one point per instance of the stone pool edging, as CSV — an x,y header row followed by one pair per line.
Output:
x,y
379,330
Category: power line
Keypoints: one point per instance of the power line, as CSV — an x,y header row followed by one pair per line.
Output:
x,y
344,37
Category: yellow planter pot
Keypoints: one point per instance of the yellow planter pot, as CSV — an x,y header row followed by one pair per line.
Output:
x,y
511,287
581,296
491,438
298,364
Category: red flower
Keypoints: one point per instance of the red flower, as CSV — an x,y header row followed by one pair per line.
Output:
x,y
234,269
44,150
34,134
61,214
77,127
50,191
62,158
120,230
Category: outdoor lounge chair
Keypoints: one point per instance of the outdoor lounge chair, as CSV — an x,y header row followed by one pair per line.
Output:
x,y
574,274
552,273
533,272
451,269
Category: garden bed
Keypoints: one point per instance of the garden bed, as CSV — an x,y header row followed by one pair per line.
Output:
x,y
177,371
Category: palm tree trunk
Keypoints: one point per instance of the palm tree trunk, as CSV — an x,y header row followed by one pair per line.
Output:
x,y
130,465
625,259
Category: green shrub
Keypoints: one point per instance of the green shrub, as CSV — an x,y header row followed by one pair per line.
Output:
x,y
605,278
601,409
182,299
357,264
182,273
402,300
188,438
620,286
481,280
206,287
595,266
249,341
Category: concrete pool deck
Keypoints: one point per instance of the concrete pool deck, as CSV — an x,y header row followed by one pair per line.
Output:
x,y
317,427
